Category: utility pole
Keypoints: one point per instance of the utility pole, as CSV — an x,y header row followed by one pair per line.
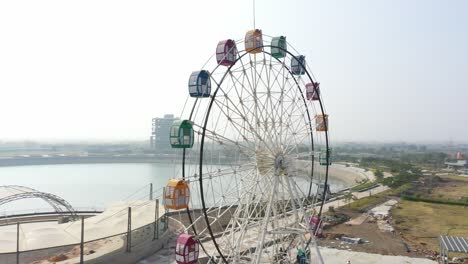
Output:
x,y
17,242
151,192
82,241
129,230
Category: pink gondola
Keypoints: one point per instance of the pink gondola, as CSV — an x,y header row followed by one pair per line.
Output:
x,y
187,249
311,94
316,225
226,52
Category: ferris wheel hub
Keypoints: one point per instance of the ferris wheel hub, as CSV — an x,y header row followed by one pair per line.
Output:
x,y
280,164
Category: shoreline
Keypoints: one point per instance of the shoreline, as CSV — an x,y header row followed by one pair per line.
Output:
x,y
64,160
348,175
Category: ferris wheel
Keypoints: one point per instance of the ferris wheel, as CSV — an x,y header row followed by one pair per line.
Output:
x,y
255,154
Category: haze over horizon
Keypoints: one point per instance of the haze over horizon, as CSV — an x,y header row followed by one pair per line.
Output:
x,y
101,70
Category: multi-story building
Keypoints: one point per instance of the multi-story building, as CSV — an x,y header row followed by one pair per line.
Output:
x,y
161,128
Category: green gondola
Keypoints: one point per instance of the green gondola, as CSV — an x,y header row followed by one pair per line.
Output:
x,y
278,47
323,157
182,135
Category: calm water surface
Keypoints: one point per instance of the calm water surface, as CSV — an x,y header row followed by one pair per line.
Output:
x,y
89,185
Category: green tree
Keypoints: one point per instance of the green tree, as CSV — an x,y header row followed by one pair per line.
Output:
x,y
379,174
348,197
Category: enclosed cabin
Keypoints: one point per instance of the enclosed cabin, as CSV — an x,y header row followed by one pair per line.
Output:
x,y
298,65
200,84
254,41
316,226
313,94
176,194
321,123
226,52
302,256
321,188
278,47
182,135
187,249
325,157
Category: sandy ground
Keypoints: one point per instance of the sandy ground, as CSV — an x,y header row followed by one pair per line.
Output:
x,y
349,175
375,233
358,195
336,256
49,234
330,256
383,210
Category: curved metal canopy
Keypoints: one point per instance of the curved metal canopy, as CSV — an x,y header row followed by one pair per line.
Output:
x,y
10,193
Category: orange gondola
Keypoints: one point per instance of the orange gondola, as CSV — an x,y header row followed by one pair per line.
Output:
x,y
254,41
321,123
177,194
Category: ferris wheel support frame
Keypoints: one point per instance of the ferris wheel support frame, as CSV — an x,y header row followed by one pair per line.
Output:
x,y
204,135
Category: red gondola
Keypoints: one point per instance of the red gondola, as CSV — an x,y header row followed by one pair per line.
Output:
x,y
226,52
186,249
311,94
315,224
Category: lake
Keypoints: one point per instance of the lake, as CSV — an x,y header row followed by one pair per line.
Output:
x,y
90,185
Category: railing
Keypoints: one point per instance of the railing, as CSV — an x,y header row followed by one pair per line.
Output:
x,y
91,250
4,214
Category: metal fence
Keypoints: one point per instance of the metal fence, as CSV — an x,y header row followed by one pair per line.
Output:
x,y
90,250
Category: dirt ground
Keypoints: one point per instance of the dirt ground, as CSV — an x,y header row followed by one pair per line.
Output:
x,y
448,188
417,224
375,240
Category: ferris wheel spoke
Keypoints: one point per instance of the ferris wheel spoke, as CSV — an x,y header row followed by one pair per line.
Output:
x,y
254,92
224,141
259,118
279,104
249,221
290,108
304,139
221,172
245,174
270,113
291,131
267,114
296,135
236,82
266,220
238,126
243,215
241,110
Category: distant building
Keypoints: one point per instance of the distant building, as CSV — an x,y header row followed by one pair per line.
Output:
x,y
159,139
459,164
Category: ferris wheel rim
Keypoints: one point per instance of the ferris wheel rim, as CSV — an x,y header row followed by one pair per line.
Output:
x,y
207,115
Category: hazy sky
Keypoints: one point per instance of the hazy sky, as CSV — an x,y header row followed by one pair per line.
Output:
x,y
389,70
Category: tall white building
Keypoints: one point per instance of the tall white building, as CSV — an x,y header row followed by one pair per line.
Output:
x,y
161,127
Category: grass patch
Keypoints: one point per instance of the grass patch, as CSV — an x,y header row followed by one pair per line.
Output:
x,y
421,223
456,177
363,186
437,201
452,191
400,190
365,203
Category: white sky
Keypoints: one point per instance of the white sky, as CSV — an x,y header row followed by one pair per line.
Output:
x,y
389,70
